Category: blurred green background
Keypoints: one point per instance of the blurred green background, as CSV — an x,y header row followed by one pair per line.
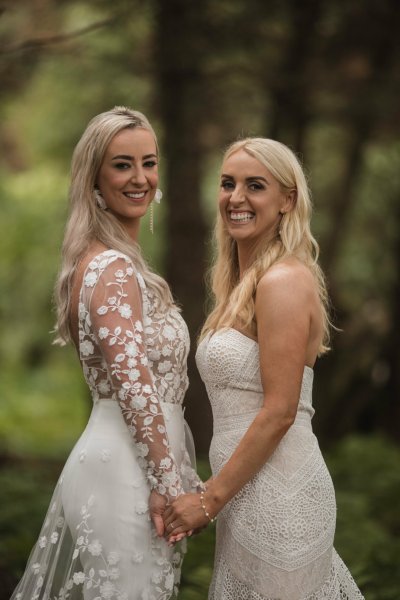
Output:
x,y
321,76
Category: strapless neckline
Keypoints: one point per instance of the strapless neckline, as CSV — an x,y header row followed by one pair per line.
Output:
x,y
251,340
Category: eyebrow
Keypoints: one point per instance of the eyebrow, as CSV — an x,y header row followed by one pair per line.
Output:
x,y
247,178
127,157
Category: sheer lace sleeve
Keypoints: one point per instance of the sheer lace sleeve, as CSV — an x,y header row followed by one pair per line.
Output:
x,y
116,316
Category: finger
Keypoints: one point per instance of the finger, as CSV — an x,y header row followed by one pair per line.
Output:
x,y
158,524
179,537
168,521
176,530
174,539
168,513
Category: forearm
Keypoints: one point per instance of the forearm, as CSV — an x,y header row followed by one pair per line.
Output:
x,y
254,449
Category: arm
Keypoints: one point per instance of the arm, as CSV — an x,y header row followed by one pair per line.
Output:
x,y
116,315
283,318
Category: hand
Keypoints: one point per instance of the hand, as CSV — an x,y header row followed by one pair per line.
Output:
x,y
157,505
184,516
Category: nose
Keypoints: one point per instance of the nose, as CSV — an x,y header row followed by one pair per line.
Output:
x,y
138,177
237,196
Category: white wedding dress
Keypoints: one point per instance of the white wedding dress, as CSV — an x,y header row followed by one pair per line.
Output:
x,y
275,537
97,541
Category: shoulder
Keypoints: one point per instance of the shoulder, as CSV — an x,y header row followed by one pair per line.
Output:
x,y
287,284
107,265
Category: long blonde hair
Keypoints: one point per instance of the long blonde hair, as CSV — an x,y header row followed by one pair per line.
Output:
x,y
87,222
234,298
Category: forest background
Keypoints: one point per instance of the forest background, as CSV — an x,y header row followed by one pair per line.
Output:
x,y
322,76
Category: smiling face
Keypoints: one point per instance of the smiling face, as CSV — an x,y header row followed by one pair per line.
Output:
x,y
250,199
128,175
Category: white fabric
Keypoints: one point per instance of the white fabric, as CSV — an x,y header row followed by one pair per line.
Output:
x,y
275,537
97,541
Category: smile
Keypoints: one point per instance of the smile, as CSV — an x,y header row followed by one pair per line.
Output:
x,y
241,217
135,195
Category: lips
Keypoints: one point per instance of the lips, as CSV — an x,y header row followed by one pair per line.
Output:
x,y
135,195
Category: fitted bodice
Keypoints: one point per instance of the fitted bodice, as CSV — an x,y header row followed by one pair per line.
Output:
x,y
133,352
229,365
164,333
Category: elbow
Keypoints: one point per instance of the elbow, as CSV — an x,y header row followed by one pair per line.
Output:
x,y
282,417
284,422
288,420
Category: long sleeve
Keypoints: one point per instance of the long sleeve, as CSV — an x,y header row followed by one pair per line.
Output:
x,y
116,320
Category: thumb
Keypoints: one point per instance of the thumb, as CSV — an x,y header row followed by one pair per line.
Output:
x,y
158,523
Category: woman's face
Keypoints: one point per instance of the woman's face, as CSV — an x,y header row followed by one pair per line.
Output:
x,y
250,199
128,175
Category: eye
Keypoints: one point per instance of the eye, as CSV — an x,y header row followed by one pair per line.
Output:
x,y
226,184
121,166
255,186
150,164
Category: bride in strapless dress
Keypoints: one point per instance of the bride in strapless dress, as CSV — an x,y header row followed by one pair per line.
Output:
x,y
271,489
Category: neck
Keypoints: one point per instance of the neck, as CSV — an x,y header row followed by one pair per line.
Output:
x,y
132,228
247,251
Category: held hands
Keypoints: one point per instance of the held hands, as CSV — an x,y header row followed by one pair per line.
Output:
x,y
185,515
157,506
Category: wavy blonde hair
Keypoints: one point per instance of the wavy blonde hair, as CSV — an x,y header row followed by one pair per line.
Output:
x,y
87,222
234,298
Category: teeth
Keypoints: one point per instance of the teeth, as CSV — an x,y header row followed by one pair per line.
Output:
x,y
242,217
135,196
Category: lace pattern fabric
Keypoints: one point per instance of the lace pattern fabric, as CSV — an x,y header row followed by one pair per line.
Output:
x,y
113,350
275,537
97,541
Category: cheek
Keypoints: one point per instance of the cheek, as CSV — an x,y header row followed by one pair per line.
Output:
x,y
153,180
111,179
223,200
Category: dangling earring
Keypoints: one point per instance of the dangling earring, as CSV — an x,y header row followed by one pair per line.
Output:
x,y
151,219
157,198
99,199
280,223
158,195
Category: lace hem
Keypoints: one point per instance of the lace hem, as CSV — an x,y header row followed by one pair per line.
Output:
x,y
338,586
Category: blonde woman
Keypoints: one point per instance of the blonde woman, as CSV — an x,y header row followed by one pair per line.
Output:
x,y
271,489
102,537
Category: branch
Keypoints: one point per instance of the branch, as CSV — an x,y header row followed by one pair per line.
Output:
x,y
37,43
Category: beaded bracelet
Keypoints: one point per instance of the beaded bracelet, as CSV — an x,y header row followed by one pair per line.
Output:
x,y
203,506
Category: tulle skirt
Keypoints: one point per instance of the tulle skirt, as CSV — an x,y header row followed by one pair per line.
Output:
x,y
97,541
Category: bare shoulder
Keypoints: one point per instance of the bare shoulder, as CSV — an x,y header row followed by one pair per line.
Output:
x,y
288,278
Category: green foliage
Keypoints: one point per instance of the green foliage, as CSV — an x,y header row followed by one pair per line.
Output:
x,y
25,492
367,480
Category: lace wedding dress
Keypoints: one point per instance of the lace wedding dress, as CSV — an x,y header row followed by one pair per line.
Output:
x,y
97,541
275,537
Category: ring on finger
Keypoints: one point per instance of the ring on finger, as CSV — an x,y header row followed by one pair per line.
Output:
x,y
171,525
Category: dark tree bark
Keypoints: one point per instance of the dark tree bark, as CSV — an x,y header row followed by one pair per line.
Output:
x,y
180,50
388,404
292,83
364,38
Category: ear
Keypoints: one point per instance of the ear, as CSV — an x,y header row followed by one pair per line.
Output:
x,y
290,201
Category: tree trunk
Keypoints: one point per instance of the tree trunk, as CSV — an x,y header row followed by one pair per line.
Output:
x,y
291,111
179,55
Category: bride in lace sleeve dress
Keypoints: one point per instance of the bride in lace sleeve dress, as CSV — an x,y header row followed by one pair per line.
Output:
x,y
271,489
102,538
